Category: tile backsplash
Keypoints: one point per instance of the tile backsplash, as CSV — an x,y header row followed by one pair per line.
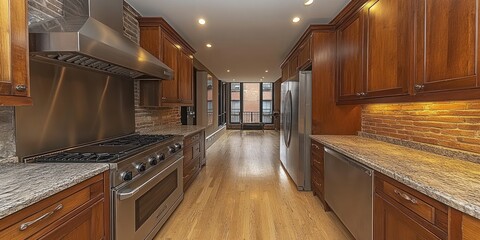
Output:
x,y
448,124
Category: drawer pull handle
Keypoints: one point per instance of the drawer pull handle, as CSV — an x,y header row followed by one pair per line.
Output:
x,y
24,226
405,196
316,147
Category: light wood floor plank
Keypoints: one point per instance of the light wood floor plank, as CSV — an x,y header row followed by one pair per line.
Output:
x,y
244,193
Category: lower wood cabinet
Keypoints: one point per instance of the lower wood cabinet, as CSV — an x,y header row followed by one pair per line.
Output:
x,y
193,154
317,171
79,212
404,213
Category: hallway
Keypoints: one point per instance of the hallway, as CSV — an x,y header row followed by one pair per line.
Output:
x,y
244,193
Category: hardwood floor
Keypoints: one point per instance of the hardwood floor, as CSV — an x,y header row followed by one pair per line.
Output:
x,y
244,193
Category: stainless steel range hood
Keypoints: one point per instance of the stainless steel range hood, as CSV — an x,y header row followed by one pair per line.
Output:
x,y
89,35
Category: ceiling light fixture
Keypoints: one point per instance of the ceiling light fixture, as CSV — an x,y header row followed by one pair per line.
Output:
x,y
266,71
296,19
209,45
202,21
308,2
228,70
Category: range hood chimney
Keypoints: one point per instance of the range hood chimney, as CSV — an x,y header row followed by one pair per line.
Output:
x,y
89,35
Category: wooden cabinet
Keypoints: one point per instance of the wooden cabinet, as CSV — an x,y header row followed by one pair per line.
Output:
x,y
463,227
447,51
403,213
193,154
389,42
350,59
161,40
170,58
304,53
79,212
408,50
14,65
285,72
293,66
317,171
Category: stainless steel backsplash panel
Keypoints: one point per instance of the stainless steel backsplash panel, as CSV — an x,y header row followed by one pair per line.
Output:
x,y
72,107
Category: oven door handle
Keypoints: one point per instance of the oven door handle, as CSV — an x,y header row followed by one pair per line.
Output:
x,y
151,181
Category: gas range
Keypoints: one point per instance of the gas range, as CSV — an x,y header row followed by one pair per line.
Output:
x,y
129,157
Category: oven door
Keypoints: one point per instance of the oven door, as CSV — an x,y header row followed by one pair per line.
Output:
x,y
143,206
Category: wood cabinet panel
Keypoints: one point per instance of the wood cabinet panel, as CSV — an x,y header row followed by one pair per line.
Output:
x,y
193,153
150,40
350,59
293,66
14,67
447,51
304,53
170,58
285,72
392,224
185,79
389,39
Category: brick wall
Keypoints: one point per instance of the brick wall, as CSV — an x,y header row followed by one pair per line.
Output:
x,y
447,124
146,118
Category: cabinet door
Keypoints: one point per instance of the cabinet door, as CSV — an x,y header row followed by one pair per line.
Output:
x,y
14,67
392,224
88,224
350,59
185,80
170,58
304,53
389,40
285,72
292,66
447,51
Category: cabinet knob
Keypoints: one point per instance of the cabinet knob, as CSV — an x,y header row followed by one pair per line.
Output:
x,y
358,94
419,87
164,98
361,94
364,94
21,88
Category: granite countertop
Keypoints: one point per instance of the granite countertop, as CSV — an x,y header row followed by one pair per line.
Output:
x,y
23,184
451,181
184,130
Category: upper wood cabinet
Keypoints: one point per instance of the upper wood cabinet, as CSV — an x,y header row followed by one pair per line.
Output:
x,y
305,53
162,41
285,72
350,59
447,45
293,66
409,50
14,67
389,47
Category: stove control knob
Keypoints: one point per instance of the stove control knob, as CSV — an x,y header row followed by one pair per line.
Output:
x,y
140,167
172,149
152,161
178,146
160,157
127,176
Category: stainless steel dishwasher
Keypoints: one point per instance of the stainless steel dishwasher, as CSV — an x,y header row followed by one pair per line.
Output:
x,y
348,191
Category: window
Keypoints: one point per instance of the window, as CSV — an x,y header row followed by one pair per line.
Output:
x,y
210,100
222,109
251,103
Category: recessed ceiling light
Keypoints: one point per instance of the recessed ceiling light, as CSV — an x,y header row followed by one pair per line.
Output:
x,y
228,70
266,71
296,19
202,21
209,45
308,2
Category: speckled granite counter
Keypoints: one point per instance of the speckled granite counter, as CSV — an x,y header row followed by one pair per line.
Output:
x,y
9,160
453,182
22,185
184,130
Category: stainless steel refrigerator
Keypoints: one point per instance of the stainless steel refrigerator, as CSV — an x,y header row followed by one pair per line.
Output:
x,y
296,125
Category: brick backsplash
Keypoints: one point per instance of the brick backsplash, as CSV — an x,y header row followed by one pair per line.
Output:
x,y
447,124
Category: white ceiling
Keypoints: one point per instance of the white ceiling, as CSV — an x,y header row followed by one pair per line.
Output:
x,y
248,36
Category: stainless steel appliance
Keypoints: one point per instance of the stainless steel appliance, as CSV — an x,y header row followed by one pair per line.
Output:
x,y
296,124
89,34
146,174
348,191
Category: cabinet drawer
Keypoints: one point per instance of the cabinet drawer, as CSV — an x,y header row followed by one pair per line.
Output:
x,y
190,170
191,139
317,180
43,218
422,206
191,152
316,148
317,162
